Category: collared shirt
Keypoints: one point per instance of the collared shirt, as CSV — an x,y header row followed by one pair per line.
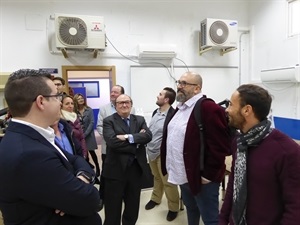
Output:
x,y
63,141
156,127
175,141
113,108
48,133
130,136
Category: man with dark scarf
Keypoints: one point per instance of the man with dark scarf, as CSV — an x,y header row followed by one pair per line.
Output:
x,y
264,186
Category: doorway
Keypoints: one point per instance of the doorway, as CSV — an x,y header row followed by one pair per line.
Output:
x,y
96,80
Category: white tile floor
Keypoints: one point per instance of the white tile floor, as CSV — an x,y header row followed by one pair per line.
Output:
x,y
157,215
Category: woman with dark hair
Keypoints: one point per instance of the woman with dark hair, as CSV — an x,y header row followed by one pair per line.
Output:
x,y
68,114
86,117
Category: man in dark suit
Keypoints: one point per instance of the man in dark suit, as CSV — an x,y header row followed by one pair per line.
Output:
x,y
41,184
180,151
125,135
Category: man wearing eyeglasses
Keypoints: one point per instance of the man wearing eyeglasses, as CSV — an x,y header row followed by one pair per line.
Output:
x,y
180,151
125,135
105,111
41,184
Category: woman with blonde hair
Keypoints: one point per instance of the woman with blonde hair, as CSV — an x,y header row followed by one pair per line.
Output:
x,y
86,117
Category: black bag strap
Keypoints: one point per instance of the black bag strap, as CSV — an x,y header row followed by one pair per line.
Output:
x,y
154,112
197,114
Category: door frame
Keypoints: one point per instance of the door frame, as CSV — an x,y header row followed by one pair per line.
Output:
x,y
111,69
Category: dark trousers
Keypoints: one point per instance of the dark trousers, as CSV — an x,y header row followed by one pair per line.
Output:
x,y
127,190
94,219
95,159
102,180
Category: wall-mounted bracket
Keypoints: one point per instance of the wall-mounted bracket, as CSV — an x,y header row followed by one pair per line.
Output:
x,y
205,50
95,53
226,50
64,52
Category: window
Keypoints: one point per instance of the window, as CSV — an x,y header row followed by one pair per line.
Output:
x,y
293,17
92,87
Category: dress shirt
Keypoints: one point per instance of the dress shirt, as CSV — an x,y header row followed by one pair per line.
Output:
x,y
130,137
48,133
175,141
156,127
63,141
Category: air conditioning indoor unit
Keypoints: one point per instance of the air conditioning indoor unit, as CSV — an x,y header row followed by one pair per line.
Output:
x,y
79,32
281,75
156,51
218,33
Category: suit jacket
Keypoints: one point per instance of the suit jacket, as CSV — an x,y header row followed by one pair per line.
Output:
x,y
217,142
36,179
118,152
105,111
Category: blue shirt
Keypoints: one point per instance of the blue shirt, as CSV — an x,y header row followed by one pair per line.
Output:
x,y
63,142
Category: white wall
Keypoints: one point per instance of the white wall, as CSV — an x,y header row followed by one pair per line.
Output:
x,y
271,48
24,43
25,27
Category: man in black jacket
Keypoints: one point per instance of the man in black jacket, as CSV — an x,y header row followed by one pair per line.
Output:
x,y
125,135
40,183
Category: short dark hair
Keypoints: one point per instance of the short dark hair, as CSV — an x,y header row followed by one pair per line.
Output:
x,y
257,97
22,87
62,80
121,88
171,94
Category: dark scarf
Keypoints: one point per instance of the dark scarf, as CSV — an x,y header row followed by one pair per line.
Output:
x,y
250,139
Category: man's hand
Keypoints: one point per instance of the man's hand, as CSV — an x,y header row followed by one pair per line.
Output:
x,y
204,180
121,137
83,179
61,213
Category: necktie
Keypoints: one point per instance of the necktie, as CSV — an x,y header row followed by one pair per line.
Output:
x,y
126,121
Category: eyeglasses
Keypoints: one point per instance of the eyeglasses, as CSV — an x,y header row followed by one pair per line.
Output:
x,y
59,97
183,83
124,102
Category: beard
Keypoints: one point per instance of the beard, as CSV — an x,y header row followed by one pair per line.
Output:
x,y
237,121
181,97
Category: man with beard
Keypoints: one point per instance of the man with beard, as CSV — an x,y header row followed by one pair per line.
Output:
x,y
264,187
165,99
180,151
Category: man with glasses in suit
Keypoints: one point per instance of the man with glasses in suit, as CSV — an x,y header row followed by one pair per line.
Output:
x,y
126,136
41,184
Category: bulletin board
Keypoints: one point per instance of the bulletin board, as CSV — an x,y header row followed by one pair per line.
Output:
x,y
146,83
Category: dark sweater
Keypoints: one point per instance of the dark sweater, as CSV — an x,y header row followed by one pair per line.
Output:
x,y
273,183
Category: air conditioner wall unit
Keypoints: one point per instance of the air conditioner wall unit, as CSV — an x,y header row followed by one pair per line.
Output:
x,y
79,32
218,33
156,51
281,75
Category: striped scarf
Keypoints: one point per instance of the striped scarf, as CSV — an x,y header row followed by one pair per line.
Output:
x,y
250,139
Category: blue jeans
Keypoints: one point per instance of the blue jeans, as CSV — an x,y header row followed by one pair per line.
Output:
x,y
204,204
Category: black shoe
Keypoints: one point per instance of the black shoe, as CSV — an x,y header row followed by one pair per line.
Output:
x,y
150,205
171,215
